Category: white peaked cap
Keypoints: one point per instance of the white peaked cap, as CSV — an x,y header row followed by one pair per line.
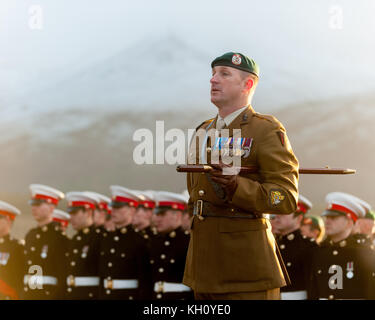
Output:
x,y
344,204
9,210
304,204
62,215
40,191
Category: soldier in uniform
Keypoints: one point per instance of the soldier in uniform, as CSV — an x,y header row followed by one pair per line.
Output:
x,y
102,211
143,214
342,268
232,253
296,250
12,260
168,250
83,255
61,217
45,247
124,266
313,227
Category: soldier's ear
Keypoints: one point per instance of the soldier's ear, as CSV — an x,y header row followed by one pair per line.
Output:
x,y
249,84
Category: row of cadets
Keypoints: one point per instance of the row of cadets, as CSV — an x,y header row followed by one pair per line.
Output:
x,y
11,255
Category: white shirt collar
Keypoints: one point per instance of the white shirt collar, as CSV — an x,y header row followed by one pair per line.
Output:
x,y
230,117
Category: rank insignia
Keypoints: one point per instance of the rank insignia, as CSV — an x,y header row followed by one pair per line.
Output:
x,y
349,269
276,197
236,59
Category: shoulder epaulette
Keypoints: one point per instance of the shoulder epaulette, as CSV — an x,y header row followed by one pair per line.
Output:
x,y
205,122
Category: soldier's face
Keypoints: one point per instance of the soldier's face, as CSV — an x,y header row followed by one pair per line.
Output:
x,y
42,211
142,218
227,85
307,231
335,225
79,219
167,221
283,223
122,216
5,225
99,217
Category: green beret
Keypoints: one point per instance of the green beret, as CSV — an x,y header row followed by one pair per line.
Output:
x,y
238,61
370,215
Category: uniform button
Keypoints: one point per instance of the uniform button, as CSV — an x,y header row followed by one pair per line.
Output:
x,y
167,243
282,246
1,240
91,295
112,250
161,270
288,264
29,262
172,261
123,230
86,230
69,289
358,241
108,291
290,237
109,264
75,251
145,236
335,252
72,263
47,293
331,297
172,234
102,253
319,271
25,289
122,255
162,256
152,261
201,193
37,236
130,297
66,254
159,296
44,228
32,248
97,230
79,238
116,238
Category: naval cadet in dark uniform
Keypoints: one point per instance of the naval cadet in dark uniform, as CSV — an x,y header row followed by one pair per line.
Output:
x,y
61,217
363,227
12,258
342,268
143,214
45,248
101,211
296,250
124,267
83,280
169,248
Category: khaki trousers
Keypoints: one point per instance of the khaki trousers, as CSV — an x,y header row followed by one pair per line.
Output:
x,y
273,294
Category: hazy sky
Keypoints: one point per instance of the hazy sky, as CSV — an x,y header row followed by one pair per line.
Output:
x,y
296,36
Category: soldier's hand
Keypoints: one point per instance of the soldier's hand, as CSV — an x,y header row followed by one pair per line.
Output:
x,y
228,181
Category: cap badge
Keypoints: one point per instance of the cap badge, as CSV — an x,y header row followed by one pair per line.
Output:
x,y
276,197
236,59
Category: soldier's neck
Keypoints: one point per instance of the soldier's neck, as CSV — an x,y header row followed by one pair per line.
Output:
x,y
226,110
340,236
45,221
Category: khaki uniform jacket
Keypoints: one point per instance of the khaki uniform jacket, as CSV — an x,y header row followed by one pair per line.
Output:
x,y
236,254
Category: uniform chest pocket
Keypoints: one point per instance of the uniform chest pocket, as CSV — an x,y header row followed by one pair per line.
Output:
x,y
241,225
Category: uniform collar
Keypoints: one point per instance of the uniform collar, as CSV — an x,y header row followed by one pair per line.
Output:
x,y
230,117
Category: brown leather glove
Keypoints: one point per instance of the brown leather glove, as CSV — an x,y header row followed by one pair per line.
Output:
x,y
228,182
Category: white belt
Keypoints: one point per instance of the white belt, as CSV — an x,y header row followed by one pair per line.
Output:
x,y
39,280
294,295
72,281
162,286
120,284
